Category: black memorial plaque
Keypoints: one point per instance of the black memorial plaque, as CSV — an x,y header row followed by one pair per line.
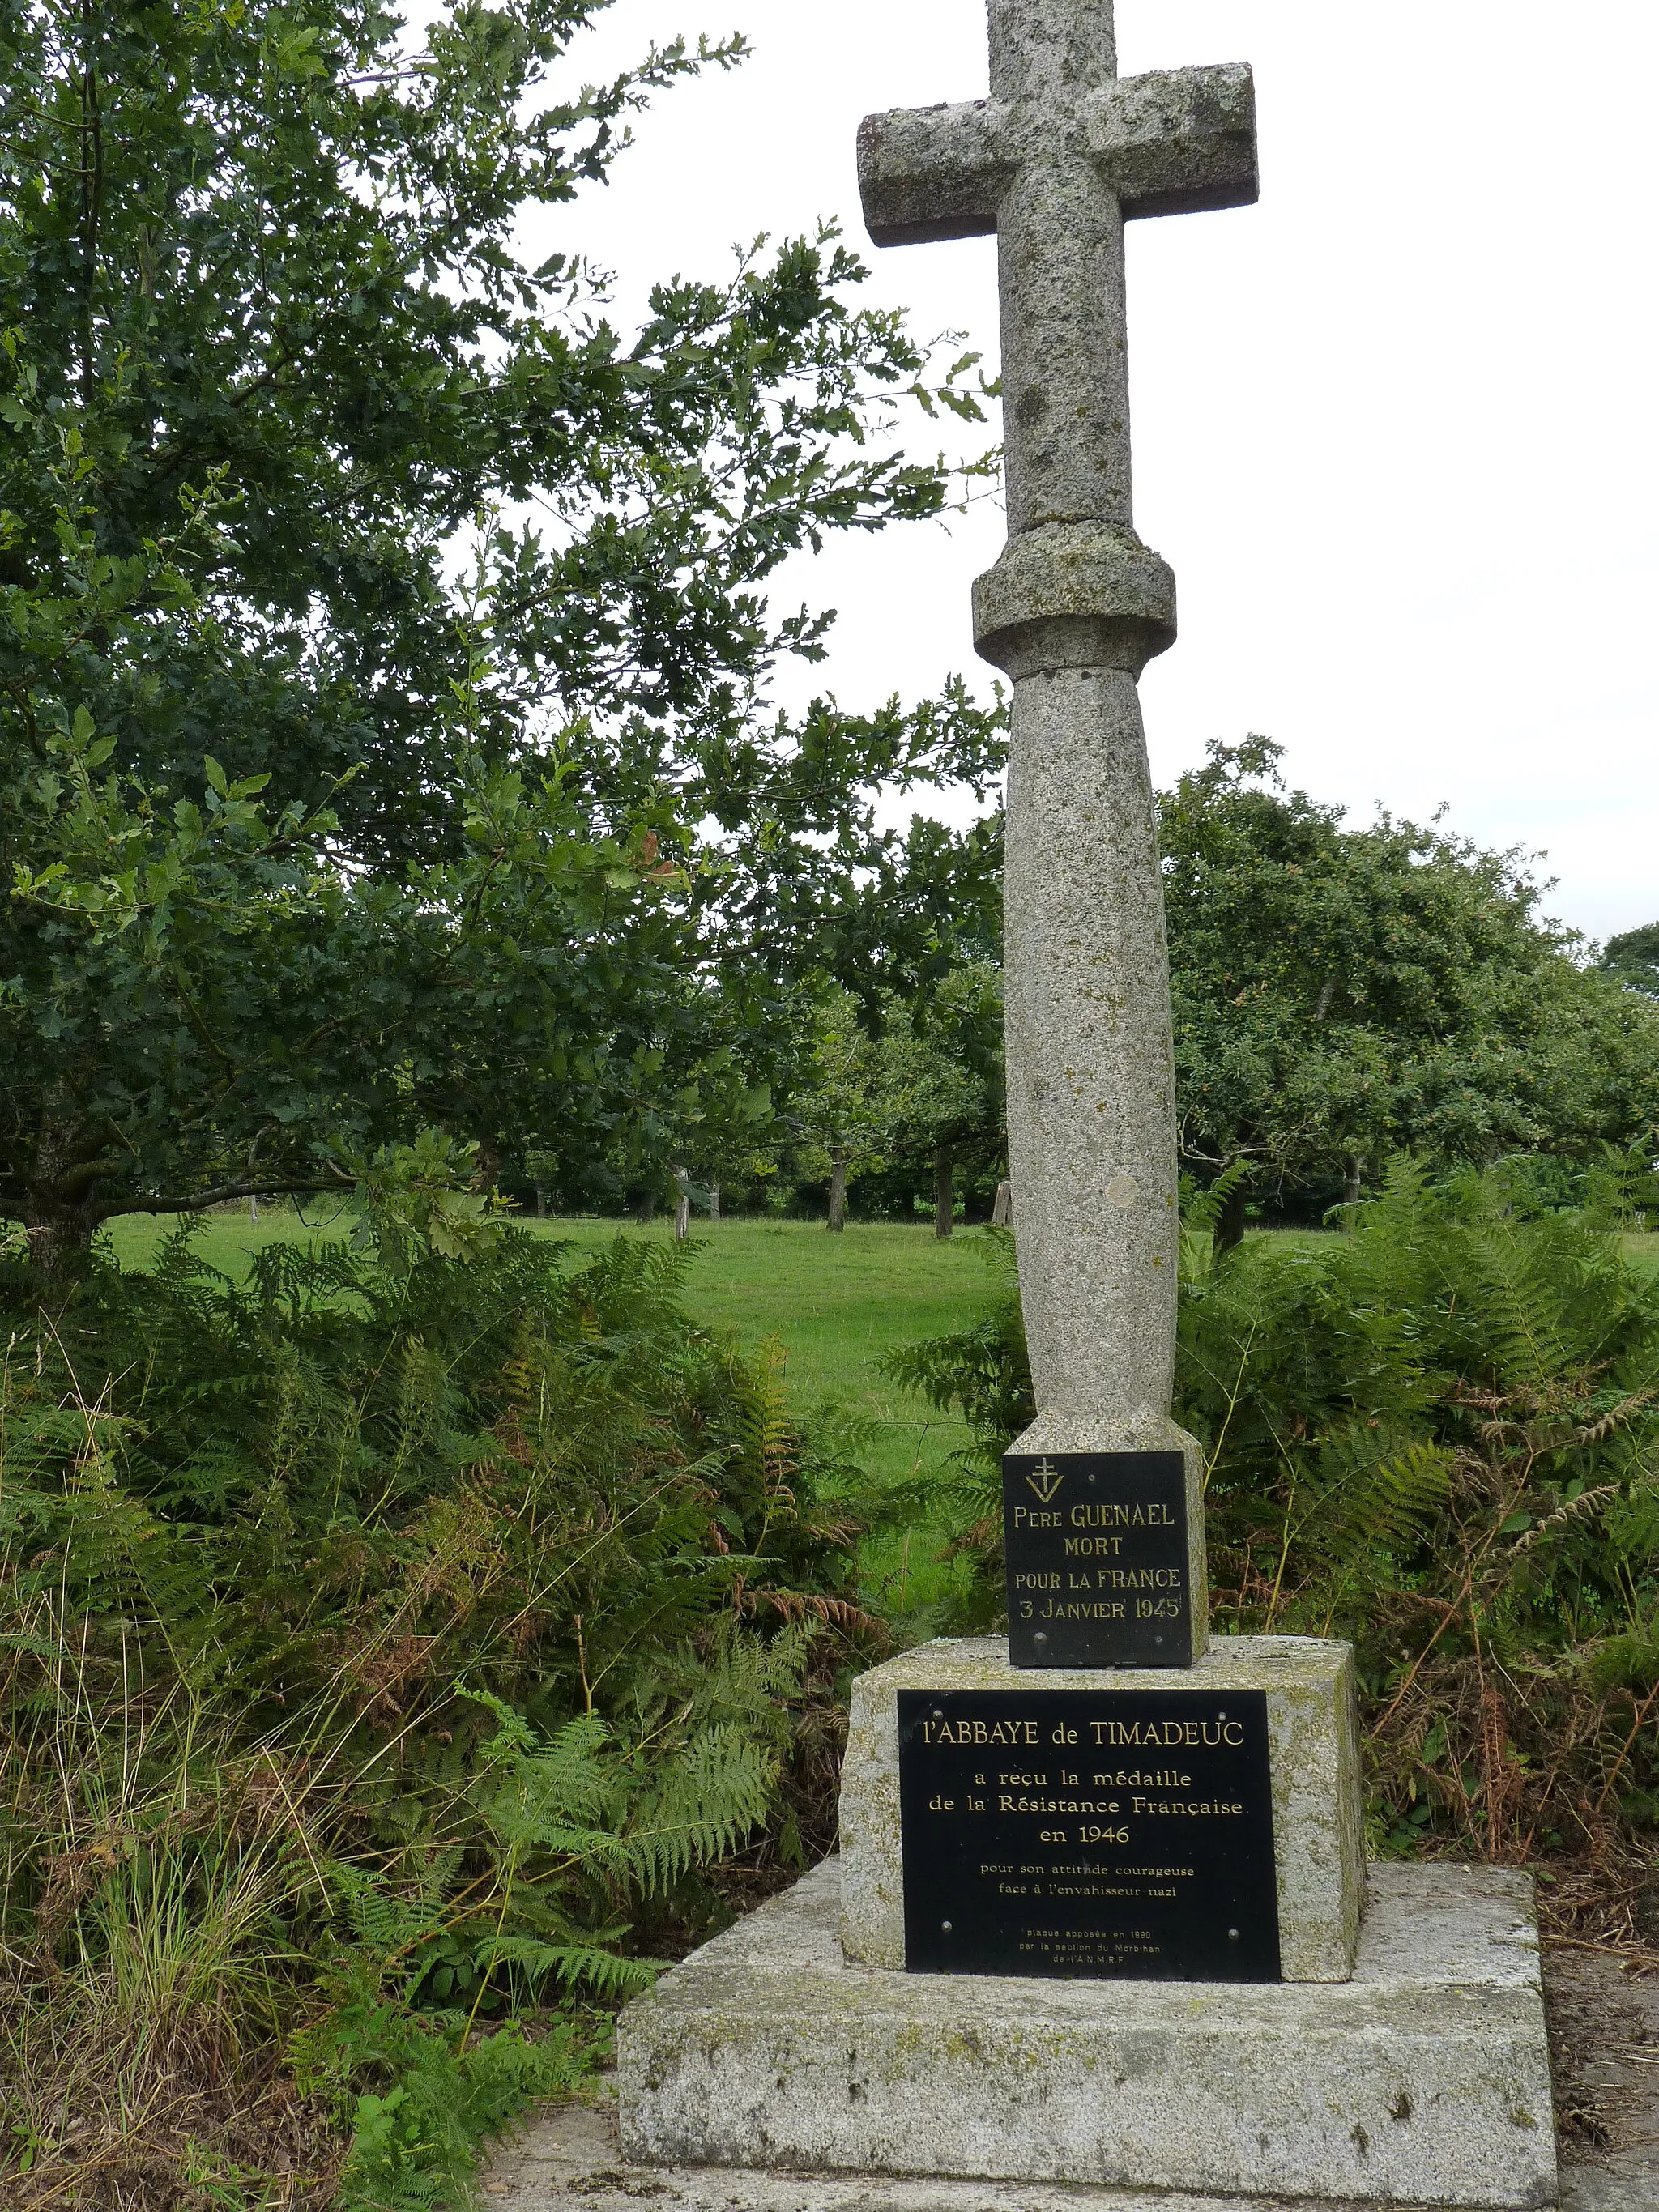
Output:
x,y
1098,1559
1089,1834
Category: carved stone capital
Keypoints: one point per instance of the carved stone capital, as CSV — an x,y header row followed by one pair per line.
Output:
x,y
1074,595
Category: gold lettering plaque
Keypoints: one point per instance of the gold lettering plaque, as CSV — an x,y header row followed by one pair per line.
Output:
x,y
1098,1560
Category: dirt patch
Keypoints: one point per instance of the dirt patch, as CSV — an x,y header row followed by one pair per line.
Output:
x,y
1604,2048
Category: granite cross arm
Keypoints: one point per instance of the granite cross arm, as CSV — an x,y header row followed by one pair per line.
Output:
x,y
1172,141
1055,169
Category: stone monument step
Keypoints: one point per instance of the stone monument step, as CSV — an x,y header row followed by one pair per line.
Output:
x,y
569,2159
1423,2080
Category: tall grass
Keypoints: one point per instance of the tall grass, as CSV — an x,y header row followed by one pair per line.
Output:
x,y
393,1658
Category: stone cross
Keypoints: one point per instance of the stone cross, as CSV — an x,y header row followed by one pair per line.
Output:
x,y
1059,156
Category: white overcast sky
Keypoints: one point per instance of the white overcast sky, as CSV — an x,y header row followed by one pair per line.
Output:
x,y
1394,427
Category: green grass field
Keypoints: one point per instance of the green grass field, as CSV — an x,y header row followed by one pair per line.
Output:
x,y
836,1304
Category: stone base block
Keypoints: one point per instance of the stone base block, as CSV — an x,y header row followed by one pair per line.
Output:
x,y
569,2159
1314,1758
1424,2079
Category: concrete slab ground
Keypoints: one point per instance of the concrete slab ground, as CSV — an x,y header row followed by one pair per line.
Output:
x,y
1604,2043
1423,2080
1604,2046
572,2161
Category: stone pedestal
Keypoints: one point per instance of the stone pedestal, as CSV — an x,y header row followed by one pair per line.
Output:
x,y
1314,1750
1401,2061
1423,2079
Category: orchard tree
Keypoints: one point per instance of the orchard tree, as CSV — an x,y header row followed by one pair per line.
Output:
x,y
1633,959
843,1112
924,906
943,1081
1341,994
384,643
905,1091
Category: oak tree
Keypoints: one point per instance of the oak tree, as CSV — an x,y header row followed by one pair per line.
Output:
x,y
385,642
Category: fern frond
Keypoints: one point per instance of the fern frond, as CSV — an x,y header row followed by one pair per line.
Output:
x,y
1369,1491
572,1966
707,1800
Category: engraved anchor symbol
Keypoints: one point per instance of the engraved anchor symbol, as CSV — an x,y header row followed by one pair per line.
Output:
x,y
1046,1482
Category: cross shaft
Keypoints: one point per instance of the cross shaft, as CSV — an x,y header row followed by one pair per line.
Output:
x,y
1058,157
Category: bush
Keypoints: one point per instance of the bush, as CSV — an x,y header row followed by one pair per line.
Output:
x,y
393,1652
1437,1436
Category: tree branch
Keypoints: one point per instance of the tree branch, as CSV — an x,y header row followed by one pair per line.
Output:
x,y
198,1202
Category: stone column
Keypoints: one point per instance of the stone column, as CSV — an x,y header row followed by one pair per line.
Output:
x,y
1090,1069
1073,613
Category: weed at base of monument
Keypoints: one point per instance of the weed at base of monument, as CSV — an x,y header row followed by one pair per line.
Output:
x,y
415,2143
388,1658
1437,1436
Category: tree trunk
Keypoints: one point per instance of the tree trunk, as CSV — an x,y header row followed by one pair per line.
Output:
x,y
837,1220
541,1203
58,1212
944,1195
1002,1209
59,1236
714,1201
252,1207
1352,1182
645,1207
1230,1225
682,1207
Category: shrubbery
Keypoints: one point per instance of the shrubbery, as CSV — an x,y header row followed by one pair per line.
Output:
x,y
387,1650
399,1650
1439,1437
